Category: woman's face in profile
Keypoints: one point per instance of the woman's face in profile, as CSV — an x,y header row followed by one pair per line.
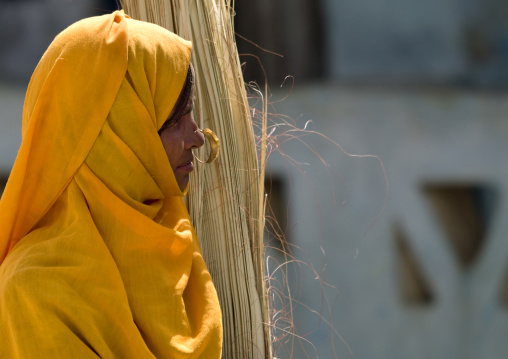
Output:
x,y
178,140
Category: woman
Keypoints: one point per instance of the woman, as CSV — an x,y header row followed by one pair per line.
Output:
x,y
99,256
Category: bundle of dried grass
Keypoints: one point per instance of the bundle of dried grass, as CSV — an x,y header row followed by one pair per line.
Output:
x,y
227,205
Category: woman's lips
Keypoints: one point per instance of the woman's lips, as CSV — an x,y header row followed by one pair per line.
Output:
x,y
188,167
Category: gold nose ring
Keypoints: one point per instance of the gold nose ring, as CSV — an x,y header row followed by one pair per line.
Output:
x,y
214,143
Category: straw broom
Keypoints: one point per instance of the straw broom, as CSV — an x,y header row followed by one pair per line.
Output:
x,y
227,200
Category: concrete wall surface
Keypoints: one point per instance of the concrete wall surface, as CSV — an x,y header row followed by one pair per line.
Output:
x,y
424,137
394,38
11,105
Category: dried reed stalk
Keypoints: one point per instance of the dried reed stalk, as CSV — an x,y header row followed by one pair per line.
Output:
x,y
227,199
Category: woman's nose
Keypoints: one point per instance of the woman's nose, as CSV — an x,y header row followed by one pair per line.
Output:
x,y
195,138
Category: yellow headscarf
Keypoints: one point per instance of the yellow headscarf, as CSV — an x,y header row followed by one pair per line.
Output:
x,y
99,255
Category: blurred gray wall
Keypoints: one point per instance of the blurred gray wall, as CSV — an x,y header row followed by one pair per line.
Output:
x,y
396,39
454,42
426,275
423,85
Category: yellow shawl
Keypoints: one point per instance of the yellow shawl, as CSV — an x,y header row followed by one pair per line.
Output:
x,y
99,255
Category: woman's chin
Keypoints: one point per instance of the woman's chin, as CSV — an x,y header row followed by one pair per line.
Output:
x,y
183,182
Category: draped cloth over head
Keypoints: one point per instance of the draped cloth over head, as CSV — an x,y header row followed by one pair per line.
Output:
x,y
98,255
